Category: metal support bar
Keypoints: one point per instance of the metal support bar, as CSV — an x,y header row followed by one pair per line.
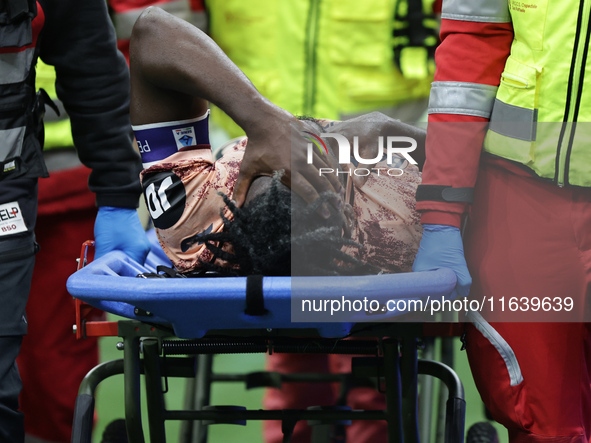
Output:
x,y
456,403
426,396
275,345
203,394
98,374
408,371
300,377
133,418
186,430
154,394
228,415
84,409
393,401
399,400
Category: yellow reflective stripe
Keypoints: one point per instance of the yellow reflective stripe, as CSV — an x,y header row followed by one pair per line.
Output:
x,y
486,11
15,66
124,21
462,98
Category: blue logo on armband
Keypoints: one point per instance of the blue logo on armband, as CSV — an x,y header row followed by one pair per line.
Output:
x,y
184,137
158,141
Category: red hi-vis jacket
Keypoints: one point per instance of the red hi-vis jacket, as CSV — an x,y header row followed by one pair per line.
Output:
x,y
126,12
476,38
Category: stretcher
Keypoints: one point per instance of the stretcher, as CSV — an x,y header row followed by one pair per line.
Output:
x,y
173,326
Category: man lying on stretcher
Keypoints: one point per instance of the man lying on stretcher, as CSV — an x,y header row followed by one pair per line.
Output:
x,y
175,71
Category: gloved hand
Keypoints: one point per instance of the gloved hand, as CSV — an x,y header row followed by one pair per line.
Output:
x,y
121,229
442,247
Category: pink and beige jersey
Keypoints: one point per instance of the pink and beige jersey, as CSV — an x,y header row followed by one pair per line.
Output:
x,y
182,195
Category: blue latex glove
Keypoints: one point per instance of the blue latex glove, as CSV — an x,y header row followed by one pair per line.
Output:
x,y
442,247
121,229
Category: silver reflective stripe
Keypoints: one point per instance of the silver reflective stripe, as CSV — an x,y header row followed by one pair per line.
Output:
x,y
514,121
14,67
486,11
12,142
462,98
500,345
124,21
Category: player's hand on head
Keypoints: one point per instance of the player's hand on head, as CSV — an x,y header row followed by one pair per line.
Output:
x,y
281,145
366,130
362,128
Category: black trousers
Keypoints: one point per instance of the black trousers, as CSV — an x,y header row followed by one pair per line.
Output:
x,y
17,259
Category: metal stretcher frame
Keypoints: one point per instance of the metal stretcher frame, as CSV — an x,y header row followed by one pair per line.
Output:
x,y
182,317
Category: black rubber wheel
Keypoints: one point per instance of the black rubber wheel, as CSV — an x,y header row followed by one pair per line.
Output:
x,y
482,432
115,432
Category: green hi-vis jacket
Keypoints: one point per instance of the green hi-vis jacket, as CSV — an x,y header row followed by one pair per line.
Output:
x,y
323,58
542,112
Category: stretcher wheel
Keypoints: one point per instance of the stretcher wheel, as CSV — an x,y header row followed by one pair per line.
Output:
x,y
115,432
482,432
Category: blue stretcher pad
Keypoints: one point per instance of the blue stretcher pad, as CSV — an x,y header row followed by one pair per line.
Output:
x,y
194,306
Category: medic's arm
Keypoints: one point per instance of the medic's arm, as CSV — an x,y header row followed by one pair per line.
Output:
x,y
476,39
93,83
